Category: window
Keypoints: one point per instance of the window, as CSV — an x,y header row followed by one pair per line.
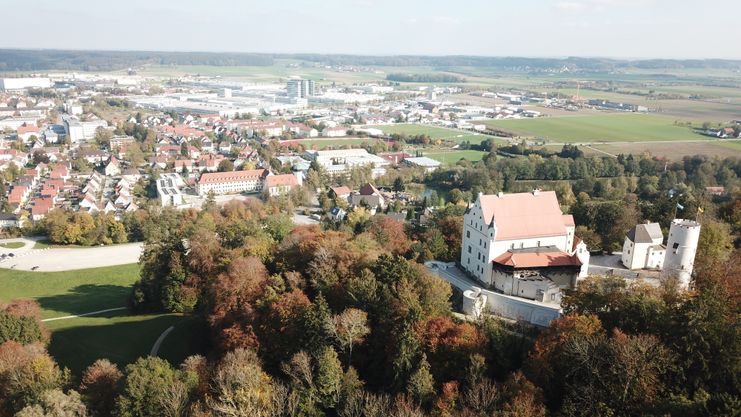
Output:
x,y
469,248
468,233
538,243
676,245
478,256
522,245
512,246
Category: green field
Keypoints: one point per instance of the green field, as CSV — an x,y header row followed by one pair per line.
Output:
x,y
335,142
12,245
599,128
452,135
119,336
451,157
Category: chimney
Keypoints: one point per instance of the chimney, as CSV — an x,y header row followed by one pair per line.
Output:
x,y
500,194
536,192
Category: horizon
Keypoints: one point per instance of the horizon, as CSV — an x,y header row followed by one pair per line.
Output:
x,y
611,29
279,54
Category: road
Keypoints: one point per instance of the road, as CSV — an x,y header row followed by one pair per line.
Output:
x,y
65,259
451,274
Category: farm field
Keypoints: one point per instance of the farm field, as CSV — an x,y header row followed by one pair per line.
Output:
x,y
434,132
334,142
672,151
451,157
598,128
117,335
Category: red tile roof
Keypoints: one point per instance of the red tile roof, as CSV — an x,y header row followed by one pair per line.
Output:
x,y
524,215
232,176
344,190
25,128
536,259
281,180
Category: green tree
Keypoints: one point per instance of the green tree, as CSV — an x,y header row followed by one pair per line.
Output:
x,y
148,386
21,329
328,377
421,385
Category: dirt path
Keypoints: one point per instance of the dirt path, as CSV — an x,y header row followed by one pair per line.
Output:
x,y
159,341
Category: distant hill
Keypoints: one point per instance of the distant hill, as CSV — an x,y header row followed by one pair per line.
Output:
x,y
41,60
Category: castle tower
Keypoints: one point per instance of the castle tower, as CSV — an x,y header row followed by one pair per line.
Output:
x,y
680,250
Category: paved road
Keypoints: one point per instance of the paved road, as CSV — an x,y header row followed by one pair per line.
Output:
x,y
65,259
451,274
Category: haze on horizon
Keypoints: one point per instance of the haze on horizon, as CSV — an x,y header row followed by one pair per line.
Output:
x,y
552,28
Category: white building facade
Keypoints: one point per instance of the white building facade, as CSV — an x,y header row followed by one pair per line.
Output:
x,y
643,247
526,227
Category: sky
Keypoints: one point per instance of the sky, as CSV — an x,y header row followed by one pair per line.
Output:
x,y
527,28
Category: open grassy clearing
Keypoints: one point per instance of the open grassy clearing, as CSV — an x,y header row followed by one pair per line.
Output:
x,y
71,292
336,142
118,335
598,128
672,151
451,157
435,132
12,245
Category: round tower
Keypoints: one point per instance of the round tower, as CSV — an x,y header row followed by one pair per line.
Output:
x,y
680,250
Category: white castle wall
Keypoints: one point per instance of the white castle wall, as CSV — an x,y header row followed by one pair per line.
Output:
x,y
681,247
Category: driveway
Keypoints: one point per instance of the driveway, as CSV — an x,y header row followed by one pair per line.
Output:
x,y
65,259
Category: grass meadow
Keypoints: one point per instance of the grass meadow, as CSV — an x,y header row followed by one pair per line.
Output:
x,y
628,127
119,336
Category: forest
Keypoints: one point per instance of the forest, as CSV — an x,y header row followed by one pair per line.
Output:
x,y
50,59
306,321
342,319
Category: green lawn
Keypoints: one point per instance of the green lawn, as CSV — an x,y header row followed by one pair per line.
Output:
x,y
41,244
599,128
337,142
119,335
451,157
71,292
452,135
12,245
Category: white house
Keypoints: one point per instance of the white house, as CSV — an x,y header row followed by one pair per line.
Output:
x,y
643,247
522,245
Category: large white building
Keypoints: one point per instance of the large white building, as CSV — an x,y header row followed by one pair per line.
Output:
x,y
340,161
643,247
300,88
232,182
17,84
523,245
82,131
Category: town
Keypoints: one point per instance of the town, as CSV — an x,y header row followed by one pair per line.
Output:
x,y
212,234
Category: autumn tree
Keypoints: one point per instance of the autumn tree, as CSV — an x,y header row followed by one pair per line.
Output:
x,y
99,387
55,403
349,328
